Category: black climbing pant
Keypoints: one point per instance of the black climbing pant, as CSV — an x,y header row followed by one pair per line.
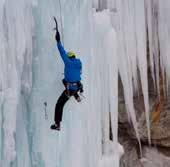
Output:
x,y
61,102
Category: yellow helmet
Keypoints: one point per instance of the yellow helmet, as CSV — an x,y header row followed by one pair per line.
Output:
x,y
71,54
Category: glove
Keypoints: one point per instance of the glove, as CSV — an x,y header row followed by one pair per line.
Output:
x,y
81,88
57,36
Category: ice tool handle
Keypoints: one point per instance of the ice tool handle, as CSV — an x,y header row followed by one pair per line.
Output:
x,y
56,28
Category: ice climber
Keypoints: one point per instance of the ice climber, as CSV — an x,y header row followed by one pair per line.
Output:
x,y
71,81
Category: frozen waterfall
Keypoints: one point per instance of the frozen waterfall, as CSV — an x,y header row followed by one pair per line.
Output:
x,y
112,38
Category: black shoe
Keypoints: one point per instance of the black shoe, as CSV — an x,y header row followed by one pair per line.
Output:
x,y
55,126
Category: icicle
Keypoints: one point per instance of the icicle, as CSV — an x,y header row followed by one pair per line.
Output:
x,y
149,17
155,44
125,69
142,58
163,30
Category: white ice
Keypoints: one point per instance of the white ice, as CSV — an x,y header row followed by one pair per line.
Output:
x,y
110,43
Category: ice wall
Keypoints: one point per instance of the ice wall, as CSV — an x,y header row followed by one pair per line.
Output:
x,y
106,48
86,125
15,75
81,128
132,55
31,72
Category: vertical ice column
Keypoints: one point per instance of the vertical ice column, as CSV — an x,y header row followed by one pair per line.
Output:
x,y
112,58
149,25
105,49
86,138
16,50
101,26
80,135
158,32
163,33
152,13
142,57
156,44
90,111
125,62
47,85
132,53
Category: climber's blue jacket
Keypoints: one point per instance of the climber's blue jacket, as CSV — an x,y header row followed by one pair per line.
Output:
x,y
73,66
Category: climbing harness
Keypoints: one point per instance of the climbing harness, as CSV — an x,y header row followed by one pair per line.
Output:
x,y
77,86
68,85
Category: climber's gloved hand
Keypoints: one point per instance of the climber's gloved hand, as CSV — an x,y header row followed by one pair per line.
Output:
x,y
81,87
57,36
81,90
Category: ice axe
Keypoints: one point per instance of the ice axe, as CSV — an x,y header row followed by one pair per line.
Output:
x,y
55,20
56,28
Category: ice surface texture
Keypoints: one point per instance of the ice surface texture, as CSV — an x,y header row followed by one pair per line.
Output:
x,y
31,72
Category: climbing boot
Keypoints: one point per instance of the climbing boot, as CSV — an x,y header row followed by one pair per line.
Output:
x,y
55,127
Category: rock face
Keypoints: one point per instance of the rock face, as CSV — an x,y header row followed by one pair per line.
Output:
x,y
160,134
131,156
152,157
160,130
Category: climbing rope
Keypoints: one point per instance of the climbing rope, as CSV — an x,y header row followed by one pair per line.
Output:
x,y
79,21
61,22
